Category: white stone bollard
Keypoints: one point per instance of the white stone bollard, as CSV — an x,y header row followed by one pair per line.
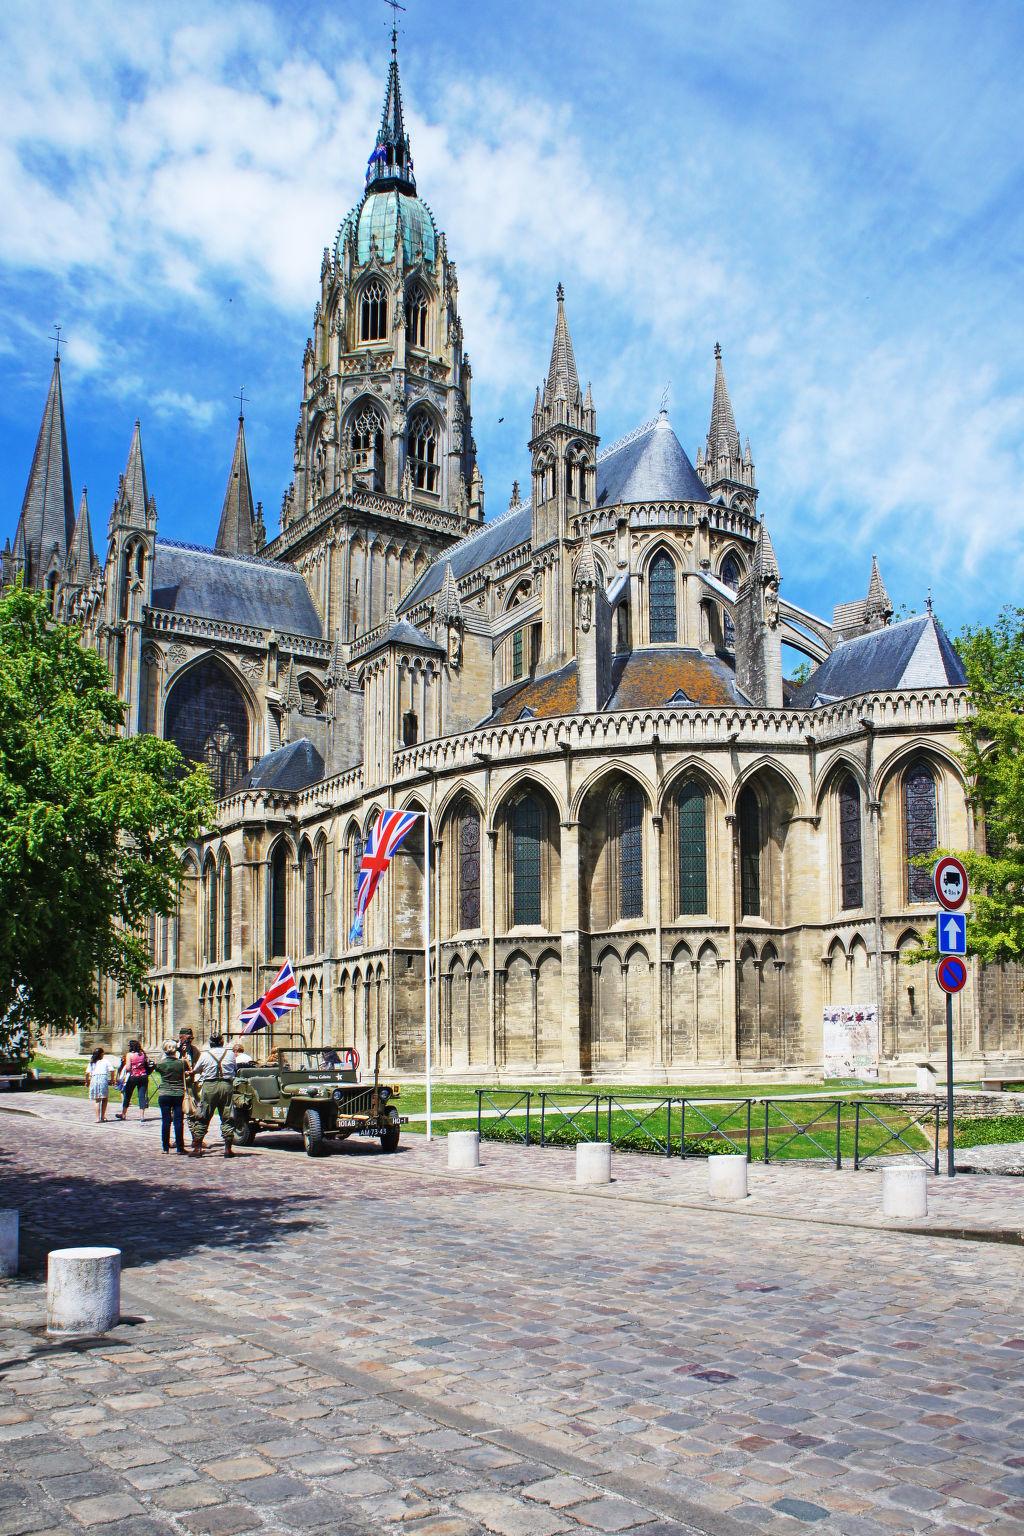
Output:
x,y
927,1078
8,1243
593,1162
83,1290
727,1176
463,1149
904,1191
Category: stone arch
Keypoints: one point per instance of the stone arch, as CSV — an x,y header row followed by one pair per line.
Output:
x,y
609,1031
613,811
208,714
765,804
527,817
280,862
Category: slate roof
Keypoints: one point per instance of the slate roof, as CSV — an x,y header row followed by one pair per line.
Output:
x,y
295,766
648,465
250,591
404,633
658,675
48,510
916,653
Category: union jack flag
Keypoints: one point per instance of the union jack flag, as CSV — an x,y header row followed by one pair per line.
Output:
x,y
280,997
387,836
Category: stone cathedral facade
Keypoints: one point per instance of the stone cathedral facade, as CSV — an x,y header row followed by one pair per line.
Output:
x,y
652,856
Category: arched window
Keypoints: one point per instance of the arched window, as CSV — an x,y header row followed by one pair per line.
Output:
x,y
730,575
225,907
920,823
851,854
517,654
527,838
416,314
662,589
312,695
469,868
207,719
629,832
423,450
278,924
357,859
308,901
373,312
751,842
366,444
210,916
691,819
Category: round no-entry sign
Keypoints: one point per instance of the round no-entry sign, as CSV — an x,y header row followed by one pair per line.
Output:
x,y
949,877
951,973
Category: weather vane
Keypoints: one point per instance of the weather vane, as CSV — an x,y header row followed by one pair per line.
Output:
x,y
396,6
664,395
240,397
57,338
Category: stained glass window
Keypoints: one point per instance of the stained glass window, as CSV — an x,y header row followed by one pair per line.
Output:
x,y
527,836
750,854
662,589
207,719
357,859
629,812
731,576
921,826
210,895
850,849
469,868
309,901
517,654
279,902
693,849
225,909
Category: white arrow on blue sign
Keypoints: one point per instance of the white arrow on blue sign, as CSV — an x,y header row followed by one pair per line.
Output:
x,y
952,933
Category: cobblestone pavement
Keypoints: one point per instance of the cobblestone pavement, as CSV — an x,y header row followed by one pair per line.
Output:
x,y
370,1344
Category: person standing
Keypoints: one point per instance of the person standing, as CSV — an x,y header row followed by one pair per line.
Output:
x,y
97,1076
136,1071
215,1072
171,1098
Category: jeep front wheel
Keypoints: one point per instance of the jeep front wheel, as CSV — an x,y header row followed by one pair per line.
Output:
x,y
390,1136
245,1131
313,1134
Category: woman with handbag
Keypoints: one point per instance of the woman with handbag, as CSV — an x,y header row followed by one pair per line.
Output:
x,y
136,1080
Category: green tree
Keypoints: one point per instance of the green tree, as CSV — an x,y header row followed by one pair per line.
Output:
x,y
91,823
992,753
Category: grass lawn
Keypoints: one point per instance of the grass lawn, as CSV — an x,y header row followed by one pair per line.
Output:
x,y
447,1097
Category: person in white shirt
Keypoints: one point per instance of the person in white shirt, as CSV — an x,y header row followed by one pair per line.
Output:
x,y
214,1072
98,1075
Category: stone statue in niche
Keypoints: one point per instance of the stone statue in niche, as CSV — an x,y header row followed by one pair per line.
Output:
x,y
771,604
586,610
454,644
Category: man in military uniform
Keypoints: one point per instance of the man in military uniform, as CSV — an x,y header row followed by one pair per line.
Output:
x,y
215,1074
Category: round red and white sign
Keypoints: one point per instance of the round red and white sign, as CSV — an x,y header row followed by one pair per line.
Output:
x,y
949,877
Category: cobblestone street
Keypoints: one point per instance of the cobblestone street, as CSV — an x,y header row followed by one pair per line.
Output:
x,y
371,1344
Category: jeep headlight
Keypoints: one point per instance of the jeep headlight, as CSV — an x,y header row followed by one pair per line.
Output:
x,y
338,1095
385,1094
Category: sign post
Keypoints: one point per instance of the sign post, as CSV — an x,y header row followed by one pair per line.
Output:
x,y
949,878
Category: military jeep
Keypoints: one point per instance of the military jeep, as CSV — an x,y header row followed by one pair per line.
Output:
x,y
318,1093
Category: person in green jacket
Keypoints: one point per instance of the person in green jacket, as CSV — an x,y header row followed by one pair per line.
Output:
x,y
171,1098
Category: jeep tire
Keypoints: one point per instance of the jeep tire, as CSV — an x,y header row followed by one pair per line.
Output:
x,y
313,1134
245,1131
389,1138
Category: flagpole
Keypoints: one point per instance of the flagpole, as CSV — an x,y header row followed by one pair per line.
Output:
x,y
426,963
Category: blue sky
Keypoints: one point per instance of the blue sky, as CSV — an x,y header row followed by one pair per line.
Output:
x,y
835,191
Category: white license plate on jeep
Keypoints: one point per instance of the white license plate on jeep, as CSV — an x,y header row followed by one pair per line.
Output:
x,y
344,1124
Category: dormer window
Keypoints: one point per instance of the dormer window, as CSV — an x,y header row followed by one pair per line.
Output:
x,y
416,313
423,451
373,312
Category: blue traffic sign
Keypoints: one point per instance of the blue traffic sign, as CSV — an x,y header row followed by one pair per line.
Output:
x,y
952,933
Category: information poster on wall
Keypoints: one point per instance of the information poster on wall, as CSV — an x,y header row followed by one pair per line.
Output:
x,y
851,1042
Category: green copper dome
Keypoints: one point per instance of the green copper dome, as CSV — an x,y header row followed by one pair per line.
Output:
x,y
379,217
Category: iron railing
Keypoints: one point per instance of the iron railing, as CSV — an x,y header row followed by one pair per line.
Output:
x,y
768,1130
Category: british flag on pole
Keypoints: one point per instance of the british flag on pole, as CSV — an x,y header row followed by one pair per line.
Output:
x,y
386,837
280,997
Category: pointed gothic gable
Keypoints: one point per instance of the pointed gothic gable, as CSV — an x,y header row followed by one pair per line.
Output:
x,y
47,521
235,531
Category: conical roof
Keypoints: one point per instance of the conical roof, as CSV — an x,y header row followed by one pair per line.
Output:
x,y
81,555
879,600
133,495
766,567
48,510
563,380
235,533
723,437
450,604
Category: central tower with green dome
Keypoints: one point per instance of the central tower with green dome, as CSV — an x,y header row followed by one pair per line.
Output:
x,y
385,463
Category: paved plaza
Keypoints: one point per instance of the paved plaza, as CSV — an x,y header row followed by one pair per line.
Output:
x,y
371,1344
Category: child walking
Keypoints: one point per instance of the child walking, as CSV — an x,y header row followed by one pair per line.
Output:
x,y
97,1075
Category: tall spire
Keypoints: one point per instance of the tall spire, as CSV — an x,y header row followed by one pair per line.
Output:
x,y
723,438
133,504
390,164
47,520
81,554
878,606
235,533
563,381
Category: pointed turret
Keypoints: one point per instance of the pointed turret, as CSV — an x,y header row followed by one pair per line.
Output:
x,y
766,567
563,381
47,522
390,164
133,507
879,609
449,605
586,568
293,698
722,464
235,534
81,555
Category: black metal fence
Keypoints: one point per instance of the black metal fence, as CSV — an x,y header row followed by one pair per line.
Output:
x,y
768,1130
